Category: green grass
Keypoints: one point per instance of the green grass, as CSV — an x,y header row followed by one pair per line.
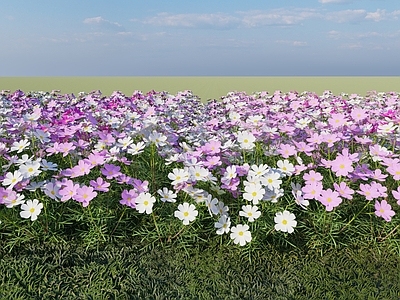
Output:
x,y
68,271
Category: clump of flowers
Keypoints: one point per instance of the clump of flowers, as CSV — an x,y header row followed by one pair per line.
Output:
x,y
237,161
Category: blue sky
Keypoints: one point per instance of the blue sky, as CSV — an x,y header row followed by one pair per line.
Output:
x,y
200,38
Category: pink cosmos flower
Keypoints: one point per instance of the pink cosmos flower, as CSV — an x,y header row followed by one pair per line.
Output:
x,y
304,147
212,147
312,176
65,148
394,170
337,120
68,191
384,210
380,188
287,150
358,114
81,169
95,159
368,191
100,185
377,175
312,190
396,195
212,161
343,190
84,195
315,139
128,198
330,199
111,171
330,139
342,166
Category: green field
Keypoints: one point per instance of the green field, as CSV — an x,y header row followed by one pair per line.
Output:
x,y
206,87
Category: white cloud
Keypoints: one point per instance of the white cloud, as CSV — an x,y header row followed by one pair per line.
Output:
x,y
258,18
292,43
333,1
104,24
377,16
277,17
351,46
345,16
217,20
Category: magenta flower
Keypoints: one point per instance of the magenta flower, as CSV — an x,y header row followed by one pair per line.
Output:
x,y
337,120
384,210
212,147
287,150
358,114
312,177
396,195
128,198
84,195
140,186
100,185
394,170
368,191
342,165
68,191
212,161
95,159
377,175
330,199
111,171
304,147
65,148
312,190
81,169
343,190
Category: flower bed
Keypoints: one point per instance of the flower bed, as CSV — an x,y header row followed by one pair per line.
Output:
x,y
288,161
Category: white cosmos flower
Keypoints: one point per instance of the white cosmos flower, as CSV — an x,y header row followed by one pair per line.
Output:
x,y
24,159
198,173
20,146
124,142
144,203
42,135
212,205
12,179
31,209
158,138
48,166
240,234
136,148
179,176
286,167
246,140
271,180
223,225
30,169
186,212
386,128
253,192
257,171
285,221
250,212
167,195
